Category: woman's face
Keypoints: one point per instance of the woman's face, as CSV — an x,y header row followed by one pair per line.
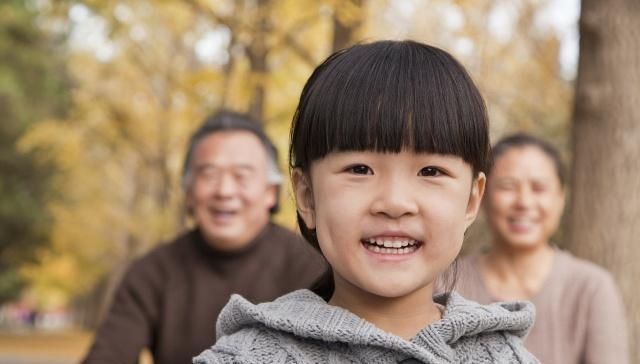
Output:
x,y
388,223
524,198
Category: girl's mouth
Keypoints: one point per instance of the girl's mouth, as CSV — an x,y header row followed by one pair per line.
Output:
x,y
393,246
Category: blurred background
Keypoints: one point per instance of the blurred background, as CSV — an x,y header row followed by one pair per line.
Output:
x,y
98,98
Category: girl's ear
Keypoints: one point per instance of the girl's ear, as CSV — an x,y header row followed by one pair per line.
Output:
x,y
475,198
304,197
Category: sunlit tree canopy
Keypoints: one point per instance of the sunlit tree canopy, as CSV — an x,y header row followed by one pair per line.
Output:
x,y
145,73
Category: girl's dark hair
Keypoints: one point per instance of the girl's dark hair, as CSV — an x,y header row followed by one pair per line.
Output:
x,y
388,96
521,140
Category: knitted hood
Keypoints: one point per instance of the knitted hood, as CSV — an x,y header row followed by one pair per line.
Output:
x,y
306,315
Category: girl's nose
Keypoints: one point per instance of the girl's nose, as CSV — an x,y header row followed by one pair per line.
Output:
x,y
394,199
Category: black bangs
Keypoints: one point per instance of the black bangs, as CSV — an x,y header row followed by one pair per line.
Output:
x,y
390,96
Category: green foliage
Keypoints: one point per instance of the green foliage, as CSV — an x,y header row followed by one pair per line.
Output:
x,y
31,88
11,283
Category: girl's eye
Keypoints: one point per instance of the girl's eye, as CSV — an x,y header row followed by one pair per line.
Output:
x,y
430,172
360,169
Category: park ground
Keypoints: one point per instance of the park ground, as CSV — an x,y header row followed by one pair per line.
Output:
x,y
30,347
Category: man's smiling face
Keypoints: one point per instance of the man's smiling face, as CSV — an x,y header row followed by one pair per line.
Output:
x,y
229,192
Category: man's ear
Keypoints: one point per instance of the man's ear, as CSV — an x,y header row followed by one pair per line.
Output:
x,y
304,197
189,200
271,196
475,198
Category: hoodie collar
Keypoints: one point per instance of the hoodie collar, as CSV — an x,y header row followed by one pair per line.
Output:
x,y
306,315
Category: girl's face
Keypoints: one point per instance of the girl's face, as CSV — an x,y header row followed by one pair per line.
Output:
x,y
388,223
524,198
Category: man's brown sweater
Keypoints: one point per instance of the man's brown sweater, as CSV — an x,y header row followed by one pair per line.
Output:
x,y
169,300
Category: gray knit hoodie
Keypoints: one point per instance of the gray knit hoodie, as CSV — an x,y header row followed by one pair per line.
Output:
x,y
301,327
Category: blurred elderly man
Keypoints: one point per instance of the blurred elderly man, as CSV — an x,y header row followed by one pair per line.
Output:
x,y
169,300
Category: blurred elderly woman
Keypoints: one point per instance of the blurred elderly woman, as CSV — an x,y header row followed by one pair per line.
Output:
x,y
580,315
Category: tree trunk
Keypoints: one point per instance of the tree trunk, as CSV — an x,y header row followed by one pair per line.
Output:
x,y
257,53
604,221
345,27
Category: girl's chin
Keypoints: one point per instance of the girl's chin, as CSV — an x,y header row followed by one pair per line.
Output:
x,y
393,289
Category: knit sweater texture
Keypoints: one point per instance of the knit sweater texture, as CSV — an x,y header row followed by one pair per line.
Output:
x,y
301,327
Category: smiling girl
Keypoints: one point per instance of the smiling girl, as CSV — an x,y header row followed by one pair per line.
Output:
x,y
389,146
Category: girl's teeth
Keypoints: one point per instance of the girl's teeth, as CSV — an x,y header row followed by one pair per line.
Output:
x,y
392,243
392,251
393,247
